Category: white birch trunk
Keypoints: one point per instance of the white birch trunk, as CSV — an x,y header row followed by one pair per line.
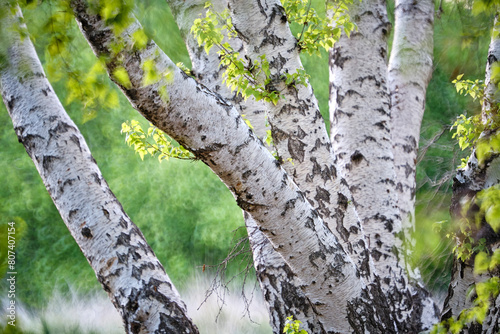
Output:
x,y
361,136
124,264
280,286
299,132
204,123
410,70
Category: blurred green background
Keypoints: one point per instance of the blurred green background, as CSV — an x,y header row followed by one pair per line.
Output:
x,y
185,212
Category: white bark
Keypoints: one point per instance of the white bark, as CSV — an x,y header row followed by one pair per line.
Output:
x,y
298,129
204,123
280,286
360,129
361,137
410,70
123,262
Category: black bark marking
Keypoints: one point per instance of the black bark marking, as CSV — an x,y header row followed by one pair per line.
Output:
x,y
296,149
86,232
300,133
356,158
96,178
204,153
75,140
60,128
316,255
123,239
123,223
105,212
382,125
72,213
376,254
47,162
289,205
66,183
248,206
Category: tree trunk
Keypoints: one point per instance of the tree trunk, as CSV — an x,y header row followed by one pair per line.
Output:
x,y
124,264
409,72
217,135
360,117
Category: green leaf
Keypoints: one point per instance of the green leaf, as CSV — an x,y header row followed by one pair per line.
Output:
x,y
140,39
481,263
121,76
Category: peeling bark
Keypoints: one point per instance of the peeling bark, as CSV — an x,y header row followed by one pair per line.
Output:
x,y
124,264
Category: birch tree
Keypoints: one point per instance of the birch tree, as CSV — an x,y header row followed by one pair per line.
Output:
x,y
329,216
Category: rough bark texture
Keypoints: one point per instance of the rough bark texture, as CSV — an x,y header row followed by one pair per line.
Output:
x,y
410,70
312,254
279,285
335,209
204,123
360,128
123,262
476,176
298,129
360,116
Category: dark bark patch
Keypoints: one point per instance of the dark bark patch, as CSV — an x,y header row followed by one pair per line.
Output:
x,y
123,239
61,127
47,162
356,158
296,149
301,133
75,140
376,254
316,255
11,103
86,232
123,223
72,213
382,125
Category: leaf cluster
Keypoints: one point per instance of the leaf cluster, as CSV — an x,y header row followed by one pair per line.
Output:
x,y
484,292
318,32
153,141
293,326
248,77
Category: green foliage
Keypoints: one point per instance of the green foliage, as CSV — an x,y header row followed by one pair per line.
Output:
x,y
468,87
488,201
467,130
483,292
318,32
249,77
161,145
293,326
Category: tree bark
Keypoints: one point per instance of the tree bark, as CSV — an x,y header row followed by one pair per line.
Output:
x,y
217,135
124,264
360,117
409,72
342,215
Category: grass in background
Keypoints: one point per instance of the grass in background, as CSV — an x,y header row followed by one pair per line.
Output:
x,y
77,313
